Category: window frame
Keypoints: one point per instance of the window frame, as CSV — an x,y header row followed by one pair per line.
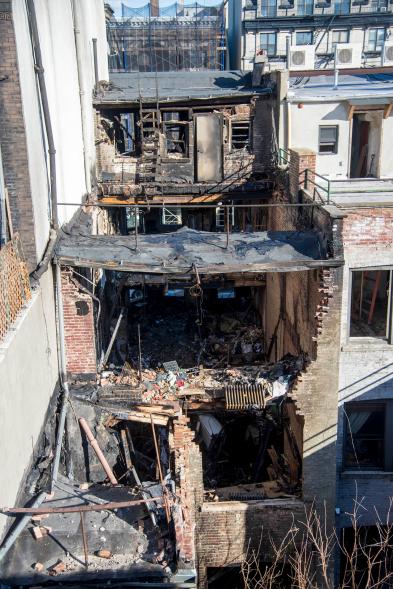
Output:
x,y
247,144
375,48
267,8
336,127
388,424
339,31
388,339
268,34
304,33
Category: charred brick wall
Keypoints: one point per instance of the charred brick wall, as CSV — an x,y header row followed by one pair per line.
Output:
x,y
13,138
79,328
189,488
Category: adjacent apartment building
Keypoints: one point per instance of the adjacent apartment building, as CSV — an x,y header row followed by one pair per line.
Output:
x,y
346,129
303,34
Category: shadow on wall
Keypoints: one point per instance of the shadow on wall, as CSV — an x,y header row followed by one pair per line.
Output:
x,y
364,449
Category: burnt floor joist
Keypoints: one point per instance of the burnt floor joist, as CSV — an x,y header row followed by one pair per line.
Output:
x,y
185,250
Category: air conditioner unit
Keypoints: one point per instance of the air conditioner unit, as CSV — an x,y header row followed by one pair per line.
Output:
x,y
301,57
388,53
349,55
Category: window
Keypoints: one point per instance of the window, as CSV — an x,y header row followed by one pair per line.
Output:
x,y
171,216
305,7
328,139
364,444
370,303
269,8
267,42
340,37
222,216
176,133
304,38
376,39
240,134
341,6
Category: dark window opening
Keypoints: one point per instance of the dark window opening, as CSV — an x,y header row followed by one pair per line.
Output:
x,y
176,127
365,435
370,296
123,131
328,139
240,135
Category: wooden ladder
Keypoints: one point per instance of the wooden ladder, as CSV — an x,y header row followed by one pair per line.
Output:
x,y
368,305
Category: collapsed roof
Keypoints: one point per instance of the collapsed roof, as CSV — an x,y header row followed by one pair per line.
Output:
x,y
178,252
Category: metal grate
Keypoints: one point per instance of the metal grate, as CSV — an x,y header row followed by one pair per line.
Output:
x,y
242,396
14,284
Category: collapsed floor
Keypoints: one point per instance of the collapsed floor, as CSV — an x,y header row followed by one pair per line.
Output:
x,y
194,351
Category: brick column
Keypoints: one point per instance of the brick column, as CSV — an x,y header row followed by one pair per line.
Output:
x,y
189,488
300,160
79,328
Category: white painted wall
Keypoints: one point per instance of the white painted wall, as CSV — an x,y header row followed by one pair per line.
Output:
x,y
305,123
28,376
56,31
305,133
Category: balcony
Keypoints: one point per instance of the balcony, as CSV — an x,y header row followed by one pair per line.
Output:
x,y
347,192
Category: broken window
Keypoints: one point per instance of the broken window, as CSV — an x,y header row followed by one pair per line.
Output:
x,y
365,436
175,125
328,138
240,134
171,216
123,131
370,303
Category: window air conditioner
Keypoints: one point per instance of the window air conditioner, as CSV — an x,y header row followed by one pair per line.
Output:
x,y
349,55
301,57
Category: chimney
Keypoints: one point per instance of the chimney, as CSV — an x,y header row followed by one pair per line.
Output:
x,y
259,68
154,7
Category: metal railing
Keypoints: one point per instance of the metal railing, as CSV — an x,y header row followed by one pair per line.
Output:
x,y
284,156
307,180
14,284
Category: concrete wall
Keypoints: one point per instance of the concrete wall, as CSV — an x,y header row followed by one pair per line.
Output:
x,y
28,376
305,123
365,364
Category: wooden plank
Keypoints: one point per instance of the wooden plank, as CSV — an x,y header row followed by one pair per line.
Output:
x,y
296,425
350,112
387,110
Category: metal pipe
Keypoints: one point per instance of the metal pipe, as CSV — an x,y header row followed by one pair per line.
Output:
x,y
335,85
46,258
227,242
20,526
84,538
63,375
94,444
288,51
95,57
37,55
83,91
136,215
139,353
3,211
76,508
197,205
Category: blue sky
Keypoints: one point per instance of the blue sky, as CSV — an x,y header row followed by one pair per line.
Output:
x,y
116,4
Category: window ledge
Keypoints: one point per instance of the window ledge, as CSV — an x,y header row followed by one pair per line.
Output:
x,y
169,160
365,344
366,474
